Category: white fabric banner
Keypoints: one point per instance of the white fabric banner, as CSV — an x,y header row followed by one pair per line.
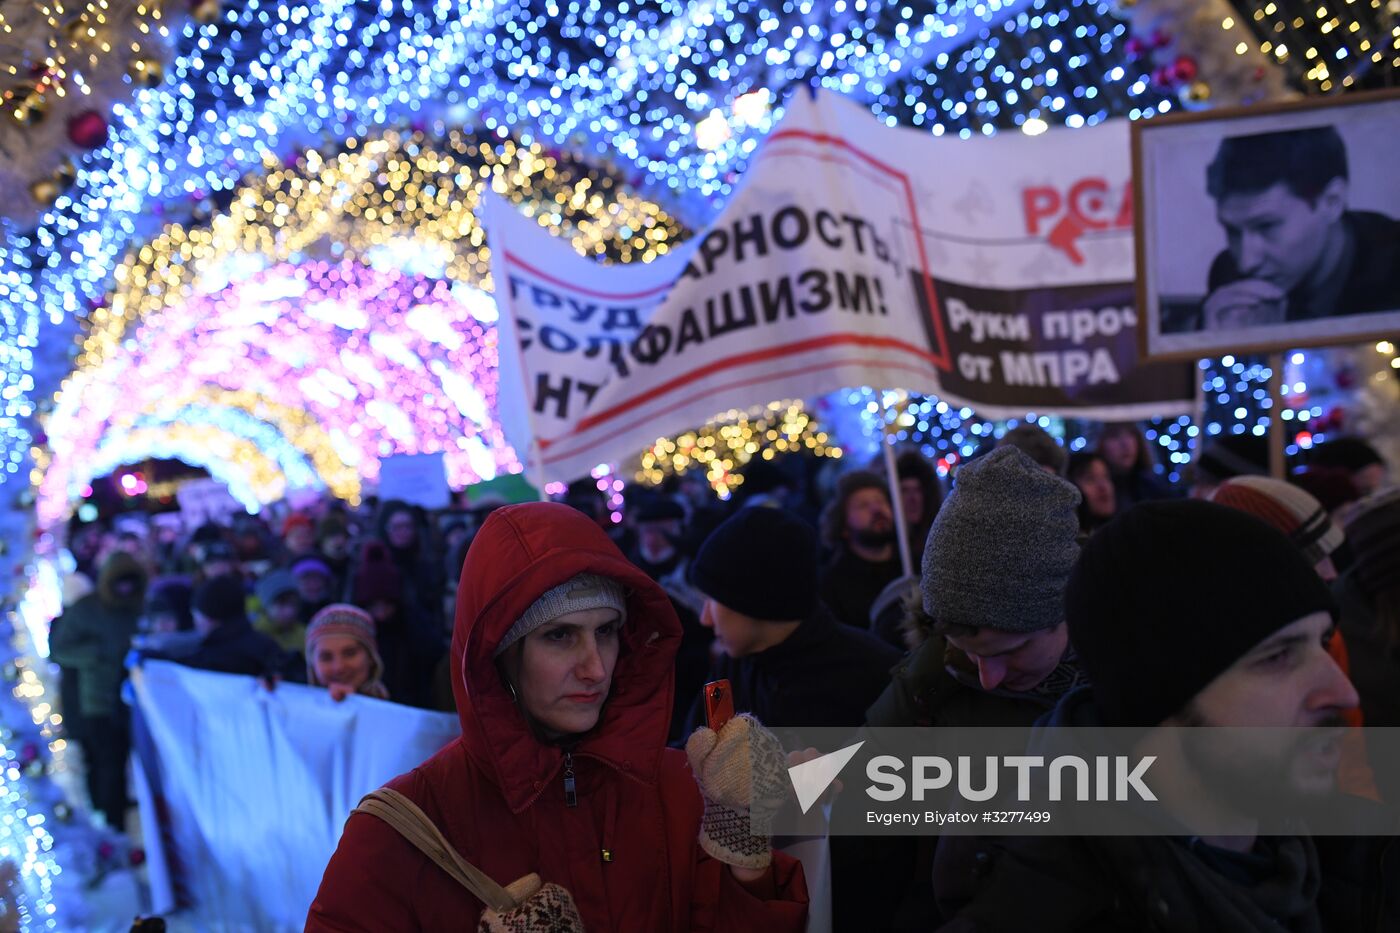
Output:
x,y
994,272
249,790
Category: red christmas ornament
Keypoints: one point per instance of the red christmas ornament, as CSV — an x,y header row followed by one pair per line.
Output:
x,y
88,129
105,850
1185,69
1162,76
137,857
1135,47
1161,38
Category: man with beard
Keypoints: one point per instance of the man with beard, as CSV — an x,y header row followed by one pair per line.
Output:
x,y
1175,636
859,526
660,523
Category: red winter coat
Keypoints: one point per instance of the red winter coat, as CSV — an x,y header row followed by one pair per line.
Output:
x,y
627,852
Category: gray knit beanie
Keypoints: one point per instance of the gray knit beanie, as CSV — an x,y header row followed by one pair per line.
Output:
x,y
585,591
1002,547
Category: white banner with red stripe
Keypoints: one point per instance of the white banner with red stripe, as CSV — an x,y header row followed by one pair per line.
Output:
x,y
995,273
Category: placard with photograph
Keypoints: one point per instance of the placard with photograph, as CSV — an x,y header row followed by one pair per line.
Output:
x,y
1268,228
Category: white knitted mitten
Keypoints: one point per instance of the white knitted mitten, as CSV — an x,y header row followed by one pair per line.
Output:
x,y
740,773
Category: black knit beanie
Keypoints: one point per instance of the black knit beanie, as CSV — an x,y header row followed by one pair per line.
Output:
x,y
1170,594
762,563
221,599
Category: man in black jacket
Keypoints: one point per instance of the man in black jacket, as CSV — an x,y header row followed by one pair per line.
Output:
x,y
230,644
790,663
858,527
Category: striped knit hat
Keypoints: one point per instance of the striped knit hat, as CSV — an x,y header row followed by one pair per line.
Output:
x,y
345,619
1291,510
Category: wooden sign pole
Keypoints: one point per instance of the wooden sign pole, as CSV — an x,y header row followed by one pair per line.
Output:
x,y
1277,431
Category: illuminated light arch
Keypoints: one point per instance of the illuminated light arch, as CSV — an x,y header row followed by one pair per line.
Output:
x,y
250,475
296,425
337,299
381,362
400,202
297,471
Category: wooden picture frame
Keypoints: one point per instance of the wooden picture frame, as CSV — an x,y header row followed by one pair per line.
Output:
x,y
1306,269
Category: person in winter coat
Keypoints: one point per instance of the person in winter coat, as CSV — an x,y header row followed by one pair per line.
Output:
x,y
858,526
333,541
789,661
1169,635
89,642
1369,597
298,539
920,495
1124,449
994,572
1362,462
404,531
562,658
660,532
315,586
229,644
408,642
1090,474
279,610
341,654
995,649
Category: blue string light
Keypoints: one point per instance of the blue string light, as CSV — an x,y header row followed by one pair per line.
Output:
x,y
627,83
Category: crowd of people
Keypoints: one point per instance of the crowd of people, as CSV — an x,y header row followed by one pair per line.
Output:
x,y
1053,586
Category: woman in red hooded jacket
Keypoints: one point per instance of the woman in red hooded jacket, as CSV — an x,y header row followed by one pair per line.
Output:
x,y
562,767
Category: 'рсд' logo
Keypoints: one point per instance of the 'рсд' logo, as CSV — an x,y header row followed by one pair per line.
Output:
x,y
1089,204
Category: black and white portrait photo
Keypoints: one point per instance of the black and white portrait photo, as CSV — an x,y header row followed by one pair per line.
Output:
x,y
1269,230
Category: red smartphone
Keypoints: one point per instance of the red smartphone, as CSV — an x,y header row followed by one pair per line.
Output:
x,y
719,704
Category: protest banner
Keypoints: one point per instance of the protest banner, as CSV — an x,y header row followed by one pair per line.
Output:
x,y
995,273
244,792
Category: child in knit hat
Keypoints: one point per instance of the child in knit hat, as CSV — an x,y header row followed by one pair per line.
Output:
x,y
341,653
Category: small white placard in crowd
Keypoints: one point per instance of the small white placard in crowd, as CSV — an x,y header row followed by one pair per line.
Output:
x,y
418,479
206,500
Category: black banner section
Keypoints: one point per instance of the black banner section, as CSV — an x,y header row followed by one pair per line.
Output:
x,y
1048,349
